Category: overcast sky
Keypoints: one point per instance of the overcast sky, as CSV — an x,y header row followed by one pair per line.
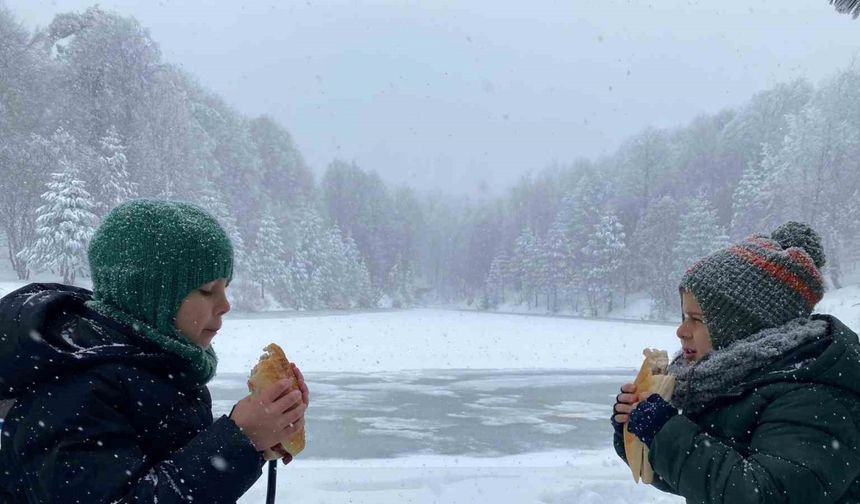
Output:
x,y
458,93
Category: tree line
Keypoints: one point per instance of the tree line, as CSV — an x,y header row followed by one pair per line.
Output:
x,y
91,115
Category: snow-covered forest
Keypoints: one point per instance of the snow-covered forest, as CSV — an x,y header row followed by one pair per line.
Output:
x,y
91,114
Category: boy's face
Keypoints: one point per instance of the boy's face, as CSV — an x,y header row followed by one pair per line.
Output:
x,y
199,315
693,331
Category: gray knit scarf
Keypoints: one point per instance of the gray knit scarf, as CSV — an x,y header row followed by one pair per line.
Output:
x,y
698,383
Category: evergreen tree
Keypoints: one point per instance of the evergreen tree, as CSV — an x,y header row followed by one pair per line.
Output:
x,y
332,271
557,262
267,263
401,284
602,257
753,198
525,264
654,259
497,279
700,234
65,224
309,269
357,278
113,163
213,201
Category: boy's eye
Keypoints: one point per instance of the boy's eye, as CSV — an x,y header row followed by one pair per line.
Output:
x,y
205,292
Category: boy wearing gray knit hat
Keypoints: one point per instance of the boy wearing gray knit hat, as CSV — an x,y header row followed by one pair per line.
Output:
x,y
767,395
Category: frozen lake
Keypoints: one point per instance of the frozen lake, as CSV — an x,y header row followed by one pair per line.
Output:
x,y
450,412
455,436
434,406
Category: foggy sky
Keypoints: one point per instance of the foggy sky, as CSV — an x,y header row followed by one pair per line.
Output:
x,y
459,94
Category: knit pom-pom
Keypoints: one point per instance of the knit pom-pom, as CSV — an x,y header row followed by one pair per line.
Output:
x,y
797,234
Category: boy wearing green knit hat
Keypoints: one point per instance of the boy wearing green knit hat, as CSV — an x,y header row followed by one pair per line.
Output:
x,y
110,385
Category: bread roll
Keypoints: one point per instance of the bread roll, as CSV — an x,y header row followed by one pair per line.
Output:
x,y
652,379
273,367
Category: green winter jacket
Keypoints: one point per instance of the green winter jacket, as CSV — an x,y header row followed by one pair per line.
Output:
x,y
789,434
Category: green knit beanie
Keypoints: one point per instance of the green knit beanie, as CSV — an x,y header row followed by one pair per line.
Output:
x,y
146,257
760,283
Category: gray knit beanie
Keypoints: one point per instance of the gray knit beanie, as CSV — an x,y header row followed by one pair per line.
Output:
x,y
759,283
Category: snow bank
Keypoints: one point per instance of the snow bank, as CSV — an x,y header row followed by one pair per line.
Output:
x,y
585,477
439,339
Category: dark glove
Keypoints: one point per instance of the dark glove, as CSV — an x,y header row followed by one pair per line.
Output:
x,y
619,427
649,417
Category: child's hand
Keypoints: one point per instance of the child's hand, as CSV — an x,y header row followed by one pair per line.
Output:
x,y
649,417
624,404
306,394
271,416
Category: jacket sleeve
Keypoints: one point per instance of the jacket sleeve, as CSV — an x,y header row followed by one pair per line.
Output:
x,y
83,449
803,449
658,483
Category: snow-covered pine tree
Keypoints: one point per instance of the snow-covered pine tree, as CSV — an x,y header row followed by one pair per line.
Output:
x,y
753,198
213,201
557,264
524,265
400,285
267,264
65,223
653,260
497,279
309,274
700,234
602,257
113,165
331,273
357,277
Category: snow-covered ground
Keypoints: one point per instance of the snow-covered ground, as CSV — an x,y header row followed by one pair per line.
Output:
x,y
570,477
439,339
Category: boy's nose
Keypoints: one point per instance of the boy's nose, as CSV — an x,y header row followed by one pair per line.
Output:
x,y
224,307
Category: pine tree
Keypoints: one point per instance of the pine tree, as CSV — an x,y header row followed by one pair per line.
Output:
x,y
331,272
602,256
65,224
753,198
557,264
400,284
525,264
654,260
309,267
213,201
497,279
267,263
357,278
700,234
113,163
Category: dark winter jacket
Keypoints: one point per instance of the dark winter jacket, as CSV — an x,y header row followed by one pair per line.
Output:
x,y
790,433
103,416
